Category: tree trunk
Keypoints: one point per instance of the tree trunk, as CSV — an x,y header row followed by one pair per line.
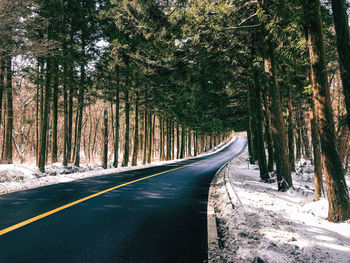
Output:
x,y
37,127
168,153
258,123
7,158
44,122
298,142
153,136
75,133
317,155
337,192
189,144
251,151
343,142
65,105
70,100
161,142
177,141
149,137
268,135
116,128
284,179
2,85
195,144
145,132
80,116
127,124
105,139
304,136
54,113
182,141
291,131
136,136
172,140
341,24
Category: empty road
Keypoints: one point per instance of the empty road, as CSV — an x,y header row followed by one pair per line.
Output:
x,y
157,214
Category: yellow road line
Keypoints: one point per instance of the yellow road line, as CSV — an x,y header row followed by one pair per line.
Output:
x,y
36,218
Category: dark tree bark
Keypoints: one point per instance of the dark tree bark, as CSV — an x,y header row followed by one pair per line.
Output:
x,y
291,131
268,135
149,138
168,141
75,133
258,119
45,120
145,132
177,141
2,85
70,122
153,137
163,139
341,24
189,144
298,142
284,179
80,114
343,142
37,126
136,136
182,151
317,155
41,106
65,106
127,124
250,135
7,157
172,141
160,138
116,128
337,192
105,139
305,137
54,113
70,101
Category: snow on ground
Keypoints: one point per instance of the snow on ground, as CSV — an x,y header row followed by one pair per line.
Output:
x,y
17,177
256,223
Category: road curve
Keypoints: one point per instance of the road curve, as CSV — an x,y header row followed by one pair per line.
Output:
x,y
157,219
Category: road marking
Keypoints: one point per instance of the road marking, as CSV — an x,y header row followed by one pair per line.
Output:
x,y
36,218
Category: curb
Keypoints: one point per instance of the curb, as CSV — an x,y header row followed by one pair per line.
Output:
x,y
235,200
213,239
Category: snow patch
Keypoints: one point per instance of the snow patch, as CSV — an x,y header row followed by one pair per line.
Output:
x,y
257,223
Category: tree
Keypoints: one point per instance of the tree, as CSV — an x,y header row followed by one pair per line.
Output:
x,y
341,24
337,192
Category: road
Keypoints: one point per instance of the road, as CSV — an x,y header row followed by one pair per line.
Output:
x,y
160,218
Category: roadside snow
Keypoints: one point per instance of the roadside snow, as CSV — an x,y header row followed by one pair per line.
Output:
x,y
256,223
17,177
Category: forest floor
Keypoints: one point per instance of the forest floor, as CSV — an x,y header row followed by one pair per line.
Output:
x,y
17,177
256,223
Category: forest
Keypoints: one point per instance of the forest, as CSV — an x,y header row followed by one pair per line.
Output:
x,y
129,82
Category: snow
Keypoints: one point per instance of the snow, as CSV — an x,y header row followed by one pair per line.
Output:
x,y
17,177
256,223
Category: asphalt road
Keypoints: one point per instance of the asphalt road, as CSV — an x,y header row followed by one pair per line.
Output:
x,y
158,219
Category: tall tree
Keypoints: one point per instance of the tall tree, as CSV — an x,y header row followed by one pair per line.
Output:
x,y
127,128
341,24
337,192
136,136
105,138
